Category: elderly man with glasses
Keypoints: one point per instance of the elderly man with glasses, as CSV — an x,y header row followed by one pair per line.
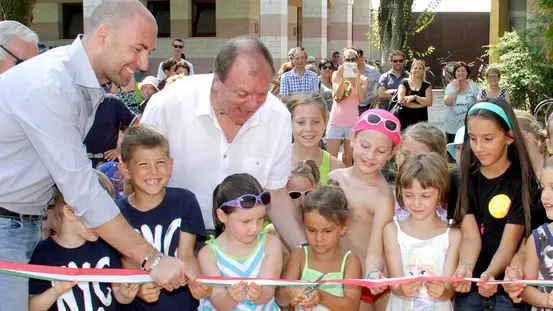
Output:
x,y
17,44
177,48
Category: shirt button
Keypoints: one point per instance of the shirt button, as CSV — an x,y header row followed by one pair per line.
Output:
x,y
224,156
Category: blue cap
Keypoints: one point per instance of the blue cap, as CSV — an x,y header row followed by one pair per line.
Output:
x,y
111,169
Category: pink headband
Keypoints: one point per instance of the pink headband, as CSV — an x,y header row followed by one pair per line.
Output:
x,y
388,124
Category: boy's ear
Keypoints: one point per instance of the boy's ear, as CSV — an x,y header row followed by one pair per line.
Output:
x,y
68,212
124,170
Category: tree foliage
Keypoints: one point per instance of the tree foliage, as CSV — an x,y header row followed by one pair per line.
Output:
x,y
18,10
394,24
522,61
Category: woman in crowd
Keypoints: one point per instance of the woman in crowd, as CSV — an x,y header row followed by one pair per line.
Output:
x,y
493,75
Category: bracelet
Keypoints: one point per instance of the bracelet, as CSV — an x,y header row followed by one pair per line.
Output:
x,y
155,263
516,269
147,258
371,272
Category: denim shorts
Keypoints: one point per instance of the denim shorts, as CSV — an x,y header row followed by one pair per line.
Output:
x,y
338,132
474,302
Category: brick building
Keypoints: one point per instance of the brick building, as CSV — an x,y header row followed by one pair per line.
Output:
x,y
321,26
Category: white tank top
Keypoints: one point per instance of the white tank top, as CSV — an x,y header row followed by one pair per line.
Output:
x,y
421,257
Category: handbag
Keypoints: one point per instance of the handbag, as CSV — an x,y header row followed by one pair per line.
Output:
x,y
394,107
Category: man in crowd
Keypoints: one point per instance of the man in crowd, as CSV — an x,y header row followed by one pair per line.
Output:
x,y
336,60
176,47
17,44
391,80
298,80
373,75
225,123
47,105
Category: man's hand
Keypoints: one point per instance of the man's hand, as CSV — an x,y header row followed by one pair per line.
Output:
x,y
171,273
112,154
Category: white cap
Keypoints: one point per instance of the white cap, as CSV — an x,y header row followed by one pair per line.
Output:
x,y
151,80
459,139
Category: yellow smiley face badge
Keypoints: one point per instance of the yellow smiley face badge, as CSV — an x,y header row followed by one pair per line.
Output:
x,y
499,206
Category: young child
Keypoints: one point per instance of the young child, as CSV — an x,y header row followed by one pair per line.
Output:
x,y
422,244
539,249
421,137
456,146
325,215
496,199
169,218
374,139
76,246
309,119
243,249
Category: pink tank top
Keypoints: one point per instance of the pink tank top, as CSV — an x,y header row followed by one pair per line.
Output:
x,y
345,112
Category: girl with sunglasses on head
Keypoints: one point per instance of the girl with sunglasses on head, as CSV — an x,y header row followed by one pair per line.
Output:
x,y
421,244
497,204
326,216
242,248
309,118
349,88
374,138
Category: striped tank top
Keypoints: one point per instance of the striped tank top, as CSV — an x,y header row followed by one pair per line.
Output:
x,y
245,267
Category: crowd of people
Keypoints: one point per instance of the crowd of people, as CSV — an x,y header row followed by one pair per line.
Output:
x,y
238,173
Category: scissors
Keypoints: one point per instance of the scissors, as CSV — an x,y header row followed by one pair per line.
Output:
x,y
310,289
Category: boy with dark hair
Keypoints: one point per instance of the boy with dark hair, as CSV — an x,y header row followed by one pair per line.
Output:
x,y
77,246
169,218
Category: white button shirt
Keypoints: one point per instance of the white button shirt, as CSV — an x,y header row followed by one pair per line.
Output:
x,y
202,155
47,105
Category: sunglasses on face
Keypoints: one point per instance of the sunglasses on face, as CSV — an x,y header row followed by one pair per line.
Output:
x,y
350,60
375,119
247,201
326,67
295,195
398,60
17,59
178,46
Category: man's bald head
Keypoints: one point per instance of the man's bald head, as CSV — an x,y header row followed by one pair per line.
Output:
x,y
115,12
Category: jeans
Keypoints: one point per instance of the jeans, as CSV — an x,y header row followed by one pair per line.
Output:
x,y
18,239
474,302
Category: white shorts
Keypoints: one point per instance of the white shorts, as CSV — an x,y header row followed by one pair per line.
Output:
x,y
338,132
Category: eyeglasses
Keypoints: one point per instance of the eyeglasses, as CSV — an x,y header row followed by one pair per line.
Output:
x,y
17,59
375,119
350,60
178,46
493,77
249,200
295,195
326,67
397,61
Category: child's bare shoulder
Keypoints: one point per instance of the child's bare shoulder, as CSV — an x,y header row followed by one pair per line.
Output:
x,y
273,242
337,174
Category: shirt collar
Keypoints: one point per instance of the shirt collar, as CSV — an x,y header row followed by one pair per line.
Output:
x,y
204,107
81,68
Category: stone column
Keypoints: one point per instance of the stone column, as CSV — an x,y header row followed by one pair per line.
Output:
x,y
340,26
47,21
362,19
274,28
315,22
180,13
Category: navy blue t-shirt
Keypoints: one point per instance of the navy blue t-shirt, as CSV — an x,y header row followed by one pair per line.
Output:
x,y
98,296
111,113
161,226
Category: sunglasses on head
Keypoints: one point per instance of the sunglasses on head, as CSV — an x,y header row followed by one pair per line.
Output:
x,y
398,60
375,119
294,195
176,46
17,59
351,60
249,200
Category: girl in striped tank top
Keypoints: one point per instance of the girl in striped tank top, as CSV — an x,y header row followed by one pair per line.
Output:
x,y
242,249
325,215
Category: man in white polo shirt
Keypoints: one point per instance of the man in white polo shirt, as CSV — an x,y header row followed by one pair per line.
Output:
x,y
225,123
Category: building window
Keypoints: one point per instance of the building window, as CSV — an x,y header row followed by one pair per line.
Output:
x,y
72,17
161,11
203,18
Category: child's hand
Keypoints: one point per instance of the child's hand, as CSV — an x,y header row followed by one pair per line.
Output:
x,y
514,289
435,289
127,292
463,271
550,300
237,292
312,300
411,288
62,287
486,290
253,292
149,292
298,297
199,290
376,275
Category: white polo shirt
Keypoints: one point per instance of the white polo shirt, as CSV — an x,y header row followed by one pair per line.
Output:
x,y
202,155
